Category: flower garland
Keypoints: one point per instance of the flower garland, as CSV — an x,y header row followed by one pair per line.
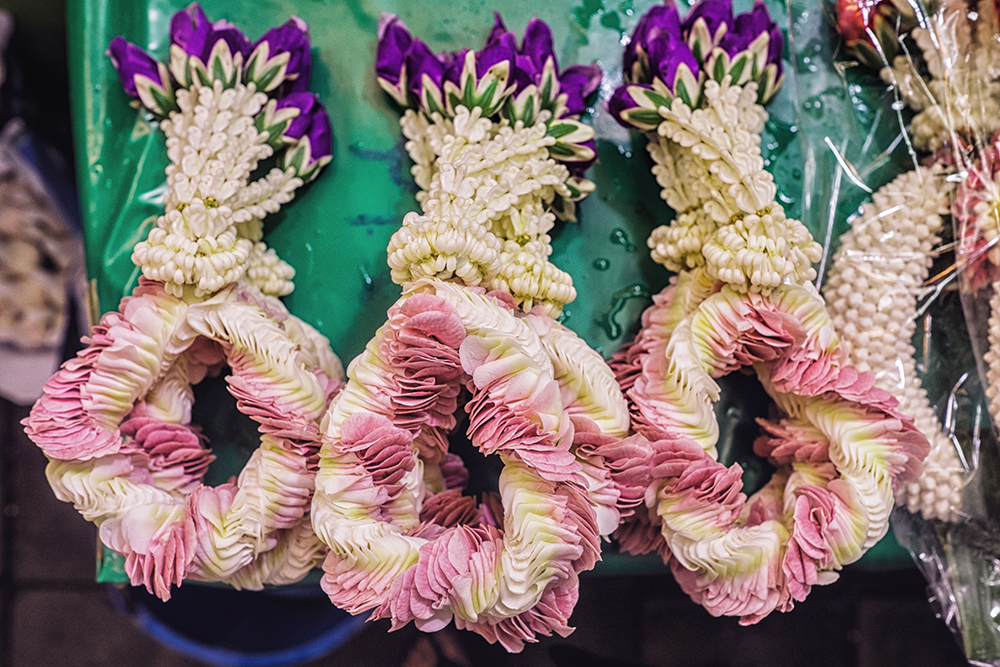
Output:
x,y
874,302
497,150
115,422
742,299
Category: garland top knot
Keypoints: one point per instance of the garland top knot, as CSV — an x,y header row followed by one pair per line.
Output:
x,y
699,85
225,105
499,153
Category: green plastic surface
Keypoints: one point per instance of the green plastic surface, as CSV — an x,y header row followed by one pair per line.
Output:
x,y
335,231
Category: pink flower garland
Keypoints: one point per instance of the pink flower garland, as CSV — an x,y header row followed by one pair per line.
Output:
x,y
840,448
475,329
405,542
115,424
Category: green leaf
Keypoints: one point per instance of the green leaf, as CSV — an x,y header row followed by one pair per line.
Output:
x,y
298,155
738,65
561,150
251,66
657,99
682,92
165,104
643,118
486,98
266,79
218,72
560,130
719,70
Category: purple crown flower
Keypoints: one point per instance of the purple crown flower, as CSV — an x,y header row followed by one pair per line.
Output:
x,y
668,58
415,76
142,76
717,16
312,149
203,53
304,103
281,58
536,64
191,30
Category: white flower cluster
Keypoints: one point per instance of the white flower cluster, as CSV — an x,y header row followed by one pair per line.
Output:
x,y
487,192
709,163
209,235
961,57
872,291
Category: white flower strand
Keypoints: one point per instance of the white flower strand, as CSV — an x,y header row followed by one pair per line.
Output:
x,y
872,291
962,58
486,192
201,240
709,163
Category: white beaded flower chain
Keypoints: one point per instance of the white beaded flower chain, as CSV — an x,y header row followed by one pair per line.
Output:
x,y
877,276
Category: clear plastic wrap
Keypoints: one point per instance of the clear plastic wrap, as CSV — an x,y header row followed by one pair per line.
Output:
x,y
907,100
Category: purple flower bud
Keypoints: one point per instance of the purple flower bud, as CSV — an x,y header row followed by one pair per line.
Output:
x,y
658,23
537,45
715,13
498,30
579,82
776,48
320,133
191,30
579,168
453,62
393,42
293,38
500,46
305,102
746,28
421,60
131,61
524,73
666,55
620,102
226,32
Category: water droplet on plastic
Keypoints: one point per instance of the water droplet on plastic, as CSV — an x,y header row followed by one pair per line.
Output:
x,y
620,237
809,58
608,319
782,136
366,278
564,316
601,264
898,105
814,106
797,174
785,199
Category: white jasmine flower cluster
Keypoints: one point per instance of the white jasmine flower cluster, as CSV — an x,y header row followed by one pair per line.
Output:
x,y
958,87
872,292
209,234
709,163
487,193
